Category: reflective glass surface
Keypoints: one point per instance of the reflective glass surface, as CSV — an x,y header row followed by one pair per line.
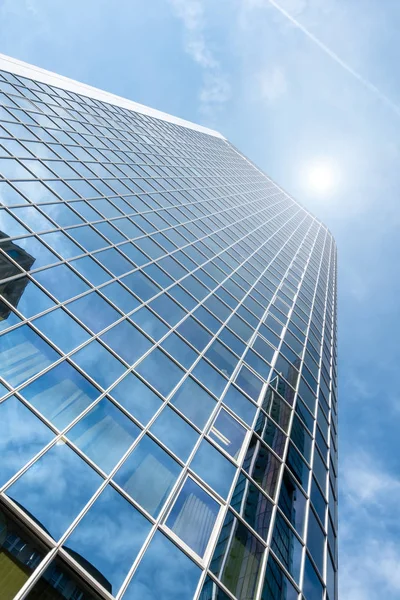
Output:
x,y
152,264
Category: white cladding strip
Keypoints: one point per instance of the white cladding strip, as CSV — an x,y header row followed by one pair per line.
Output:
x,y
12,65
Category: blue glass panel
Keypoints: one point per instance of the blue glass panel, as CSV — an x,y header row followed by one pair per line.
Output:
x,y
175,433
160,371
62,330
87,267
249,383
23,353
148,475
312,587
99,363
140,285
114,261
104,434
30,301
252,505
127,341
179,349
120,296
137,398
7,317
214,468
33,218
210,377
59,242
150,323
276,585
287,547
194,402
227,433
315,541
109,537
222,358
55,488
62,214
292,502
61,394
62,282
193,516
211,591
240,404
95,312
10,226
22,435
164,573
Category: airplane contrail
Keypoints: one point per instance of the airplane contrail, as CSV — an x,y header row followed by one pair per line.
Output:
x,y
370,86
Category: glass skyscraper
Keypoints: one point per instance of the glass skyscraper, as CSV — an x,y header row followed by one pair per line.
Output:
x,y
167,360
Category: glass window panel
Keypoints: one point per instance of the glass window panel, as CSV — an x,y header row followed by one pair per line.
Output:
x,y
141,285
120,296
148,475
59,242
137,398
194,333
94,311
213,468
61,394
62,214
175,577
292,502
9,196
7,316
315,541
320,470
167,309
151,324
194,402
276,585
287,547
270,434
127,341
211,591
175,433
109,537
240,404
160,371
297,465
33,218
62,282
252,505
29,253
55,488
237,558
312,587
58,579
99,363
318,501
20,554
227,433
180,350
23,353
104,434
262,466
29,299
193,516
114,261
9,226
222,358
249,383
62,330
209,377
87,267
22,435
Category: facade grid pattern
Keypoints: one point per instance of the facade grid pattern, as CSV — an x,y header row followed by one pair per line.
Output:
x,y
168,410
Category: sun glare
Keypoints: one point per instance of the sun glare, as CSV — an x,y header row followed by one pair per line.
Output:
x,y
320,176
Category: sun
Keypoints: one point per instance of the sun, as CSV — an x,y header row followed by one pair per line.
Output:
x,y
320,176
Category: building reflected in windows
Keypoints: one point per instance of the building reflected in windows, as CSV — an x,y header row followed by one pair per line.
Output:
x,y
12,290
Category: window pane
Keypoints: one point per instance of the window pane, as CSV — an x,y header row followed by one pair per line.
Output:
x,y
94,312
62,282
137,398
292,502
194,402
193,516
252,505
104,434
22,435
239,576
287,547
160,371
228,433
23,353
213,468
276,585
99,363
240,404
55,488
175,433
61,329
127,341
262,466
312,587
148,475
164,573
109,537
61,394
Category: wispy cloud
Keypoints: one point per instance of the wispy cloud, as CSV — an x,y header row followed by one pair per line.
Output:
x,y
369,553
273,84
215,89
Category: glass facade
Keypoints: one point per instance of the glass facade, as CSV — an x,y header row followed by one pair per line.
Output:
x,y
168,407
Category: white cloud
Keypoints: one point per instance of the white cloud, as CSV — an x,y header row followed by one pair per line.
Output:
x,y
272,84
215,89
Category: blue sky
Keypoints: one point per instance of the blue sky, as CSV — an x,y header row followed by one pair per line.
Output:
x,y
244,69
